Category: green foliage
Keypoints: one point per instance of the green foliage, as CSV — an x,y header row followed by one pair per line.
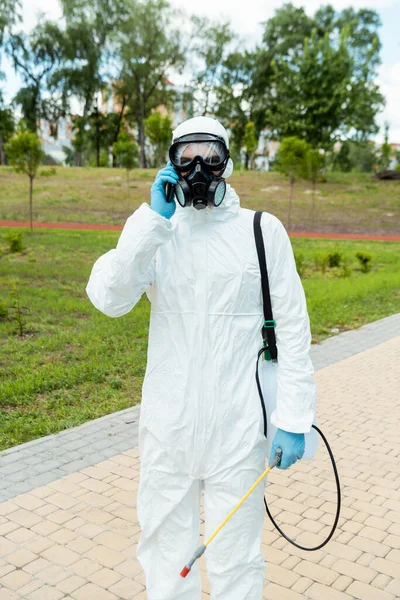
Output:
x,y
332,264
300,263
36,57
100,160
292,158
320,262
50,172
345,270
3,311
342,161
334,259
311,91
70,370
354,155
14,239
7,128
385,151
250,143
148,46
158,129
363,156
24,152
323,73
10,15
18,311
211,44
365,260
397,168
126,151
315,162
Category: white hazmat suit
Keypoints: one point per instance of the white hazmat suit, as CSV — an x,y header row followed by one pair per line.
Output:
x,y
201,422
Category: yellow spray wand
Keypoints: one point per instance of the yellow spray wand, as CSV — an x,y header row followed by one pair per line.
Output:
x,y
201,549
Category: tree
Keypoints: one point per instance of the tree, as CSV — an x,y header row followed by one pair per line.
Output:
x,y
311,95
35,57
291,160
7,127
9,16
212,42
250,143
127,153
85,68
386,150
237,102
365,99
159,131
24,153
342,160
148,47
315,160
283,45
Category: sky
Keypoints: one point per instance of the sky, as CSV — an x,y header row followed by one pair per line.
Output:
x,y
246,18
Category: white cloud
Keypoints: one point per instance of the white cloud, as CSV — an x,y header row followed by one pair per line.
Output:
x,y
389,81
246,18
247,15
31,8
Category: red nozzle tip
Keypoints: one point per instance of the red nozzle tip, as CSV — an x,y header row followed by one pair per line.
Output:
x,y
185,571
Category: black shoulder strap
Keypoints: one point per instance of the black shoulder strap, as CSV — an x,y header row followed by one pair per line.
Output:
x,y
268,328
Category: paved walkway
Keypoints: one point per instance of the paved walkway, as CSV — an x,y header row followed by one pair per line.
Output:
x,y
110,227
68,524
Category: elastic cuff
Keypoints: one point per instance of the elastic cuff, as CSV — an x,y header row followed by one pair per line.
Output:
x,y
292,427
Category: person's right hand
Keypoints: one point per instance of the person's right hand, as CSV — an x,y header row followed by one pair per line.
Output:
x,y
158,200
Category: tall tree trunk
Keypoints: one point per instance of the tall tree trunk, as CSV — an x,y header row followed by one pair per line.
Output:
x,y
290,203
96,113
30,200
142,139
313,204
120,117
127,182
143,160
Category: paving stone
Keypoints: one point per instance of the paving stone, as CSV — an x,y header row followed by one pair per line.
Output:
x,y
76,532
367,592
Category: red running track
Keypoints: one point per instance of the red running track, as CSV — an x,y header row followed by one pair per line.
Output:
x,y
300,234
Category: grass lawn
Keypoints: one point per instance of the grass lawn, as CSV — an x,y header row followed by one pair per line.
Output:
x,y
347,202
74,364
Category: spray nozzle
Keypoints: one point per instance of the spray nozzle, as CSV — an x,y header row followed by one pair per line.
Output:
x,y
276,461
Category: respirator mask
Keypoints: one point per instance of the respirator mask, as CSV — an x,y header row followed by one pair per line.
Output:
x,y
200,159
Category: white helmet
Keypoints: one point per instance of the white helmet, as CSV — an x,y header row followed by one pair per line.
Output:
x,y
205,125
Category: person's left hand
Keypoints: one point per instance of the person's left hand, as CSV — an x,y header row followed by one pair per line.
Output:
x,y
292,445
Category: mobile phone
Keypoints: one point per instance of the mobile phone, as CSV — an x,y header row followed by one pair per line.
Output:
x,y
169,191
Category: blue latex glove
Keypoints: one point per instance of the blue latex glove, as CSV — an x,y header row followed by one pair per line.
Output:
x,y
158,201
292,445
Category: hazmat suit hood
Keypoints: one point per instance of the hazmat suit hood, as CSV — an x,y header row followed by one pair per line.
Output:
x,y
231,203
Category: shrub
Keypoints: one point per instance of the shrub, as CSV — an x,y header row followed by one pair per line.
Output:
x,y
14,239
48,172
334,259
320,262
3,311
345,270
365,260
300,263
19,311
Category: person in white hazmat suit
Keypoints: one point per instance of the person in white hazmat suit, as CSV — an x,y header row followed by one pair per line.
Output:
x,y
201,424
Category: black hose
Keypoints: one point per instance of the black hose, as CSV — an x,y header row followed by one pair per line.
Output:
x,y
339,497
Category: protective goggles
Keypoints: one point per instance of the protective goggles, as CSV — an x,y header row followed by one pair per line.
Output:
x,y
209,149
